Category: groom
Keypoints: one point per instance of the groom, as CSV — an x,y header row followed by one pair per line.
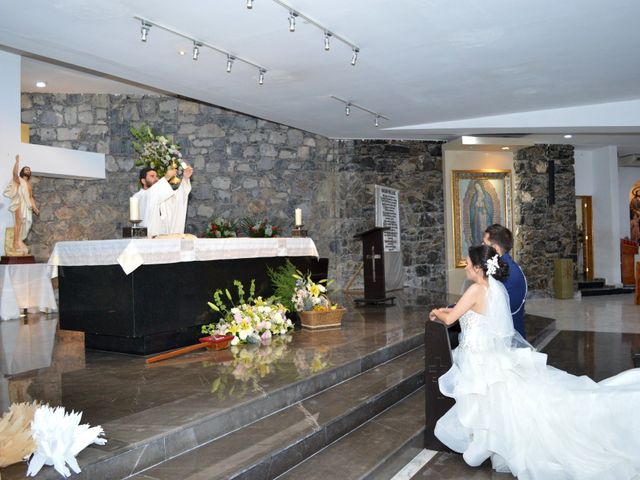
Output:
x,y
501,239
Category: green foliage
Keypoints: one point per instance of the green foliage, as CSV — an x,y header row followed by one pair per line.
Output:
x,y
223,306
283,279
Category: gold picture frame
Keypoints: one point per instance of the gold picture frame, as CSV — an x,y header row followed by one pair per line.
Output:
x,y
480,198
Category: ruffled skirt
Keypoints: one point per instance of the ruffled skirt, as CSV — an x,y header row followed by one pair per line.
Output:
x,y
538,422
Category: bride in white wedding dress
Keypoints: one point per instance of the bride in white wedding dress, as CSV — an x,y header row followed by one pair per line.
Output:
x,y
530,419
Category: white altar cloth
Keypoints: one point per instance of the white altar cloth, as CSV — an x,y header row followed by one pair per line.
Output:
x,y
131,253
25,286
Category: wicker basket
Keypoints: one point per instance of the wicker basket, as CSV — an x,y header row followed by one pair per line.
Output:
x,y
322,319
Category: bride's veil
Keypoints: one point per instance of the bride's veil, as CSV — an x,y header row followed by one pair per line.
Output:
x,y
498,310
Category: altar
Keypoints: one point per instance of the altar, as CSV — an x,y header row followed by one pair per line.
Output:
x,y
144,296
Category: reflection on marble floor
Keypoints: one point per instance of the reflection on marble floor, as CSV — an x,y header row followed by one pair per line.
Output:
x,y
134,401
33,357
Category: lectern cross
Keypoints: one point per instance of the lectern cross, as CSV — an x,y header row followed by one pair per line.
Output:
x,y
374,256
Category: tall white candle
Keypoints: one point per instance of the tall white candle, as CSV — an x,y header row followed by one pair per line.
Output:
x,y
134,208
298,217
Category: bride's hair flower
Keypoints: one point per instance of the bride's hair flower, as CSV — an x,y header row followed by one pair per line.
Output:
x,y
492,265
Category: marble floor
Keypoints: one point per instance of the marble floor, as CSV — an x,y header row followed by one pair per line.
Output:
x,y
594,336
137,403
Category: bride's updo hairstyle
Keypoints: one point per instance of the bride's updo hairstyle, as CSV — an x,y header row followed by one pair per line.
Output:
x,y
480,256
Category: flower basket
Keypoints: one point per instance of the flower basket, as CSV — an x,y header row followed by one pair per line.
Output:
x,y
321,319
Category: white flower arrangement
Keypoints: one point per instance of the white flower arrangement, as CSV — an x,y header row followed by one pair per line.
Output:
x,y
59,437
309,295
156,151
254,320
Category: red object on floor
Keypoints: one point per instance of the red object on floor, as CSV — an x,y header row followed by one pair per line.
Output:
x,y
17,260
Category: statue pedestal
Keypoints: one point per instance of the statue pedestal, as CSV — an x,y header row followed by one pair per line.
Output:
x,y
22,259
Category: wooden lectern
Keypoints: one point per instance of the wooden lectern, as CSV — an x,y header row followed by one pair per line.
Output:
x,y
373,260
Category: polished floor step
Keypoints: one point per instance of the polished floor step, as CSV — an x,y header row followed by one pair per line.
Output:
x,y
376,450
276,443
607,290
153,413
595,283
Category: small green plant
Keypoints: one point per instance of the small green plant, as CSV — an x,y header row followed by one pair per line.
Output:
x,y
284,283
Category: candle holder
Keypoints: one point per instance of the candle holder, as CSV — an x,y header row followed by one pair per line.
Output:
x,y
134,231
298,231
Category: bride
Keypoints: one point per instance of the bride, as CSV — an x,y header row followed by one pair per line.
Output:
x,y
530,419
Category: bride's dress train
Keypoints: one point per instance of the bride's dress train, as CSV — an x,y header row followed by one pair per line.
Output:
x,y
531,419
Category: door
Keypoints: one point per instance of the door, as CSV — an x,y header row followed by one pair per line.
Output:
x,y
584,224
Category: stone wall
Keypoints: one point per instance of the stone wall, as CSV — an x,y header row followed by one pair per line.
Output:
x,y
543,231
244,166
415,169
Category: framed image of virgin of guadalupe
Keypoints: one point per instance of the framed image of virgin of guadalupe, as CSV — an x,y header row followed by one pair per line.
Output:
x,y
480,198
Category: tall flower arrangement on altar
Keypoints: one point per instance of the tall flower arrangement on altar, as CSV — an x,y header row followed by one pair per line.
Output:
x,y
251,320
156,151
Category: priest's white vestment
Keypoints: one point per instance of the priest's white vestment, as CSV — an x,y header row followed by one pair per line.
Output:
x,y
164,210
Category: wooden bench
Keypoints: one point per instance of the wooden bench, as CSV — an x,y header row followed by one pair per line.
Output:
x,y
437,361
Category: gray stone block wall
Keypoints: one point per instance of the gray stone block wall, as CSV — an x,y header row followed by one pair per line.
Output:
x,y
415,169
244,166
543,231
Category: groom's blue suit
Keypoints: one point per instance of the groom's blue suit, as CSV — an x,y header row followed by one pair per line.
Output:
x,y
516,285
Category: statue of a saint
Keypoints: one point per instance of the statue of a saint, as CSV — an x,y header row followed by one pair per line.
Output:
x,y
22,205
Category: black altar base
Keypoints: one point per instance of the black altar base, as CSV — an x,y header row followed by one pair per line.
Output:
x,y
157,307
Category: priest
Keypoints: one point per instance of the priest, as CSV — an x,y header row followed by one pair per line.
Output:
x,y
163,210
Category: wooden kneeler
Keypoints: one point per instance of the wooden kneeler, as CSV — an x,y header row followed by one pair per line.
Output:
x,y
437,361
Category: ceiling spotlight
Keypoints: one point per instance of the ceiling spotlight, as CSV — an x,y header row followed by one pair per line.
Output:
x,y
568,136
376,122
144,31
41,84
196,50
292,21
327,46
261,77
505,148
249,4
230,60
182,52
354,57
347,109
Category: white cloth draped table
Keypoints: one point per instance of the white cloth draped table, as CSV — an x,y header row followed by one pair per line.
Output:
x,y
25,286
131,253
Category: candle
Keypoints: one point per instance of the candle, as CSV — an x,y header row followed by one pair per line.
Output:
x,y
134,208
298,217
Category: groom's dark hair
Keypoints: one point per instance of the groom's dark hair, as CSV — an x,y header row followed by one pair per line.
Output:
x,y
501,236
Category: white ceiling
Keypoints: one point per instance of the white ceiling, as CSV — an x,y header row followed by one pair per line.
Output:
x,y
437,69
